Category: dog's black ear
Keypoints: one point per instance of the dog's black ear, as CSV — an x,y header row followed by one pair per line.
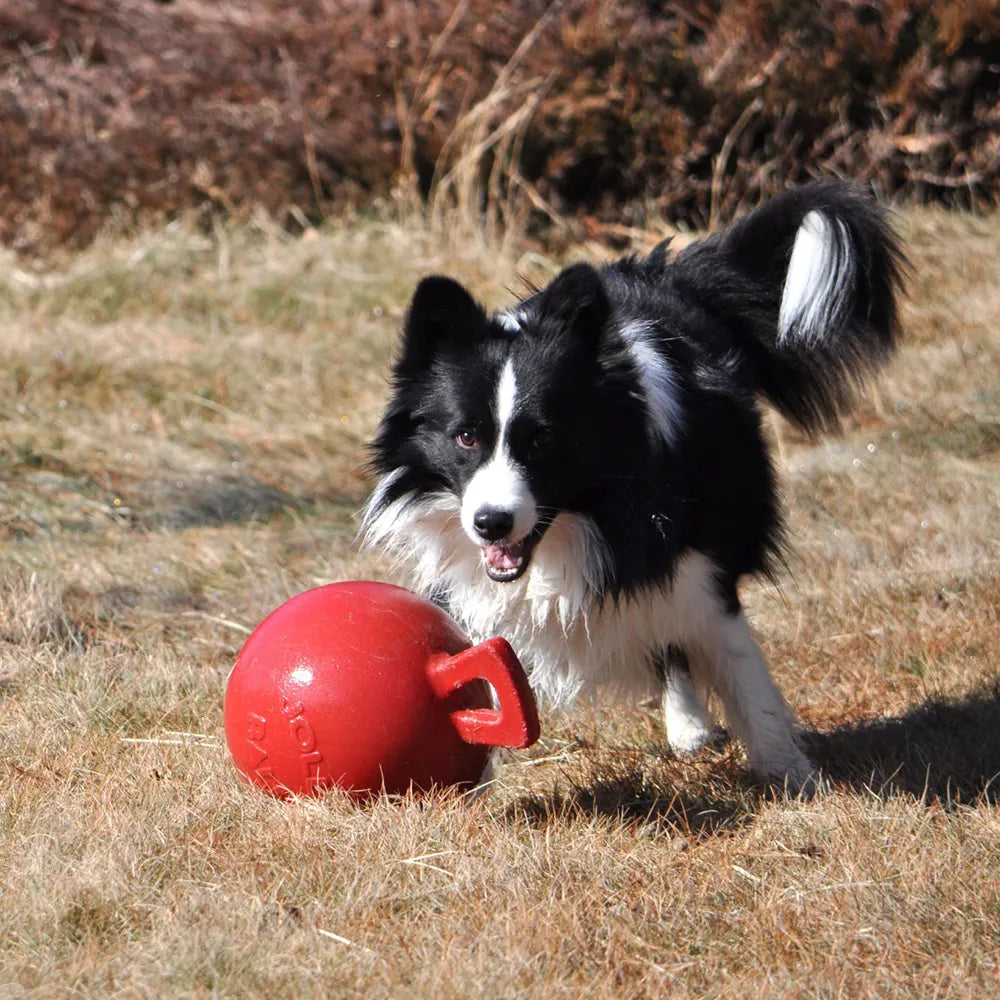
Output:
x,y
441,310
575,302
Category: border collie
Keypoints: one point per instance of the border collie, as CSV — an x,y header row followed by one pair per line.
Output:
x,y
585,472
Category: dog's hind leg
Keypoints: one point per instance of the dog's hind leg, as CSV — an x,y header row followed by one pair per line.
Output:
x,y
689,726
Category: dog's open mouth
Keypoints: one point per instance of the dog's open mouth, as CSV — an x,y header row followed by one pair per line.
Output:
x,y
505,563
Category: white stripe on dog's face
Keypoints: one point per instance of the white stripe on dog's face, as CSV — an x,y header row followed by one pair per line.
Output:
x,y
501,482
506,397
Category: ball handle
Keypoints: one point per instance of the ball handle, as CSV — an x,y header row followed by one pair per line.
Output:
x,y
514,723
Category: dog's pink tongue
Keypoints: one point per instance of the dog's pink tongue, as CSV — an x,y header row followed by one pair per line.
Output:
x,y
504,557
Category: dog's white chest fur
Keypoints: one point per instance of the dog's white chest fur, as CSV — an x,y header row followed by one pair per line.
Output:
x,y
569,640
571,647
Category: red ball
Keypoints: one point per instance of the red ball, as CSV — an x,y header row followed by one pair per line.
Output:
x,y
370,688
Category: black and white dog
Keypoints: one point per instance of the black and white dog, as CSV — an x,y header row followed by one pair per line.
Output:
x,y
585,474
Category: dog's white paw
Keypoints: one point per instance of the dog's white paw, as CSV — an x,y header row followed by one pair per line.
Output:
x,y
798,779
686,741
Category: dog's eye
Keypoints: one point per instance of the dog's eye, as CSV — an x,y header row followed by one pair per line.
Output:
x,y
467,438
541,440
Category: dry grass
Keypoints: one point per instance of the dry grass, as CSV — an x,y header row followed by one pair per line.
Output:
x,y
183,419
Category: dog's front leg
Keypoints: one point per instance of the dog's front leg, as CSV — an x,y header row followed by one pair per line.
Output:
x,y
689,726
754,707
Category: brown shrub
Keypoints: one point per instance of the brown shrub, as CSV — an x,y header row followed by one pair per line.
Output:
x,y
135,109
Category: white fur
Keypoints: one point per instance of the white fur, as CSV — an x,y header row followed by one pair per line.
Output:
x,y
501,482
656,378
688,725
819,279
753,704
506,401
511,320
376,500
425,533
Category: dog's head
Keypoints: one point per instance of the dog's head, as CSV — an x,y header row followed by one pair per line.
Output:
x,y
492,418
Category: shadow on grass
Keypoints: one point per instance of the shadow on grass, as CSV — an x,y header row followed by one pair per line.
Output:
x,y
49,501
210,500
943,750
631,799
213,500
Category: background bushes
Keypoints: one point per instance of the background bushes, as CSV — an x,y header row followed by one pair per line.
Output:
x,y
583,112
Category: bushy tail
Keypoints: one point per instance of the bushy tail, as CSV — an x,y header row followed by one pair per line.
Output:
x,y
806,286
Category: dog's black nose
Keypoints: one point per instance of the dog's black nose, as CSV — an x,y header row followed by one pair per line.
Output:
x,y
493,523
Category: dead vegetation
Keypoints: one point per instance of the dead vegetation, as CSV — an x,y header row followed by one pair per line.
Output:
x,y
183,423
577,117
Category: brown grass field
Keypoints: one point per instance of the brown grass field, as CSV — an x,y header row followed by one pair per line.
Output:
x,y
182,446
